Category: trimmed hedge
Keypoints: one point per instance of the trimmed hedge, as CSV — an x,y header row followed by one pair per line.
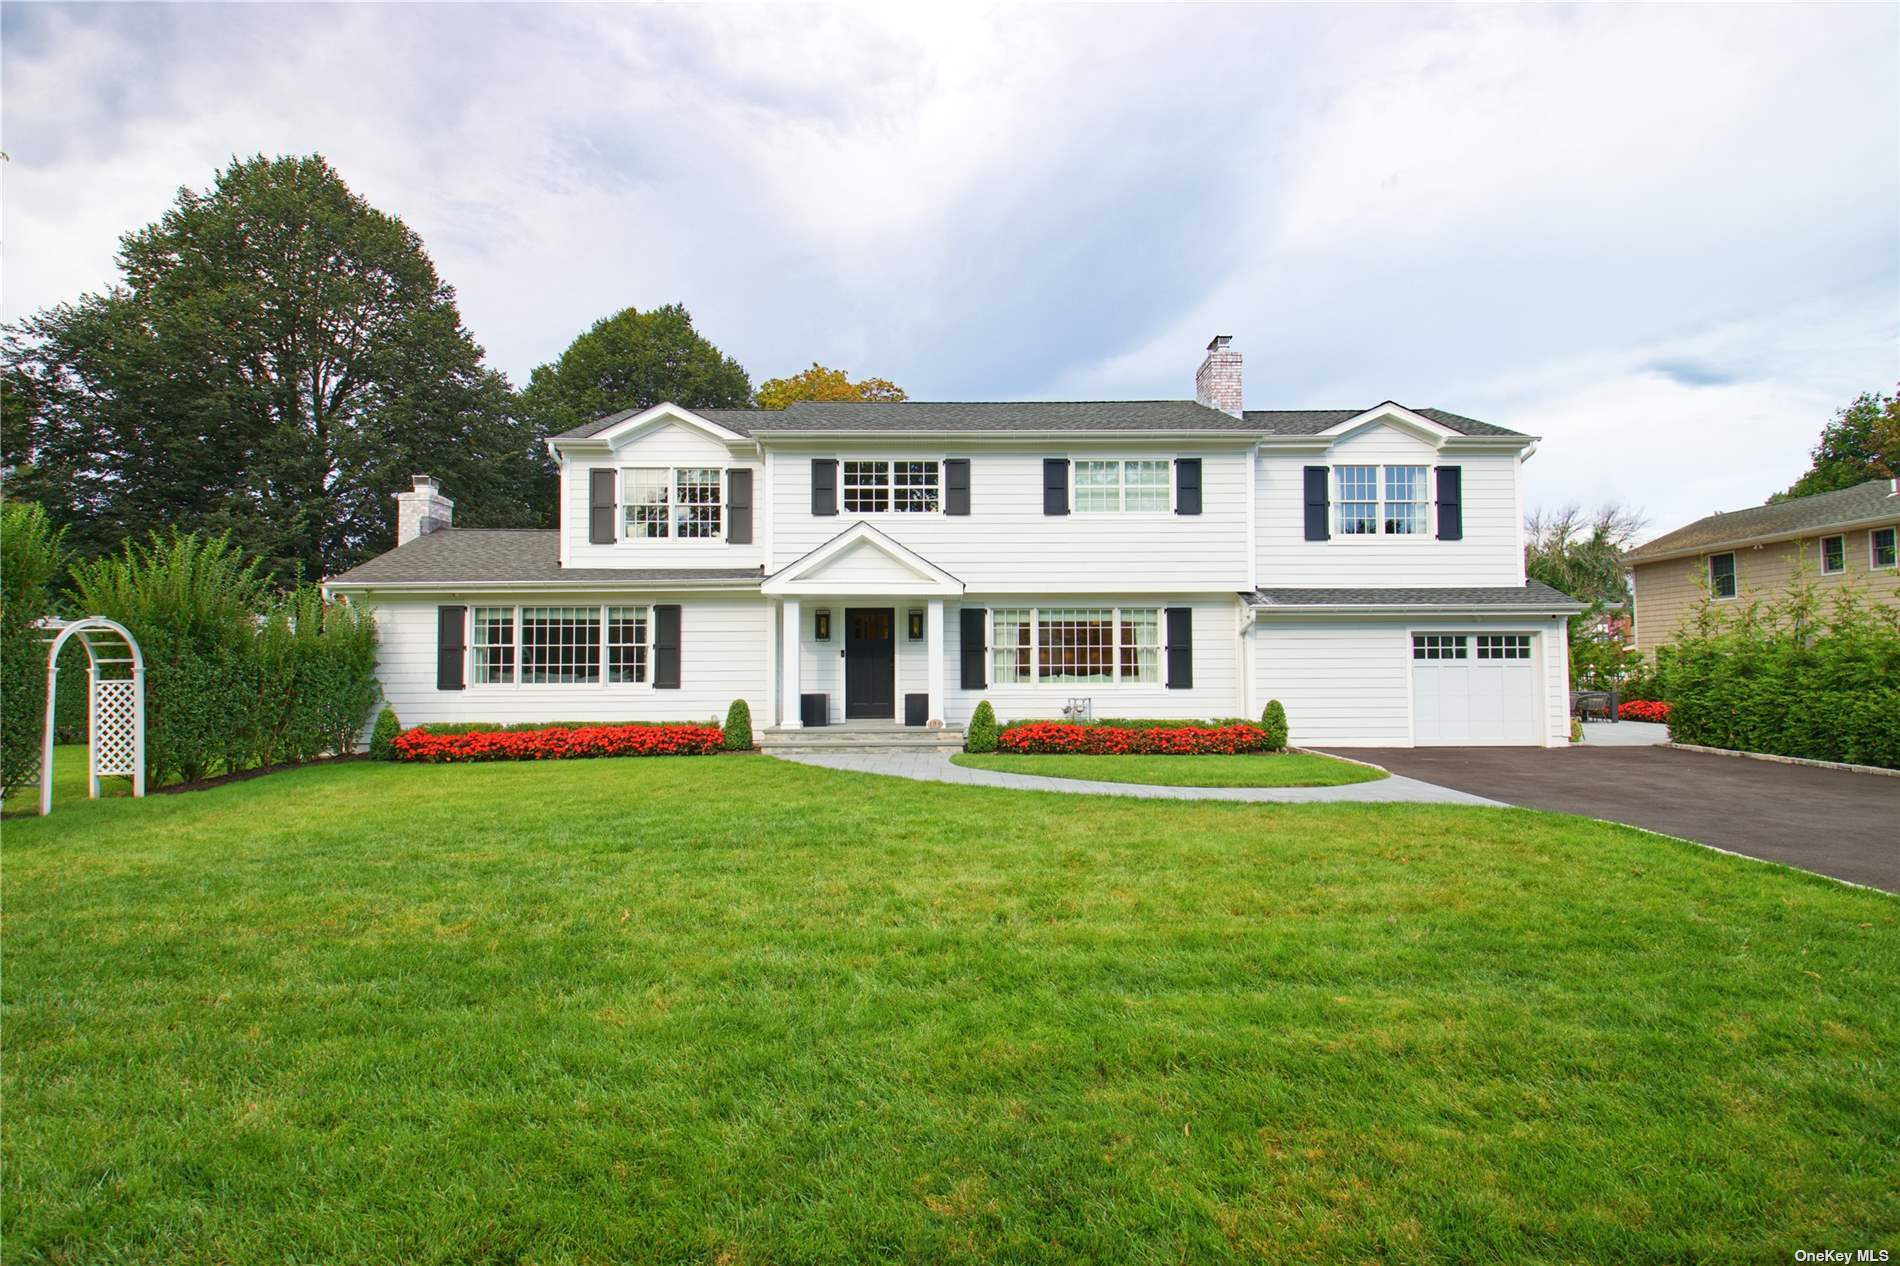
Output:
x,y
559,743
1791,679
1273,720
1054,738
382,739
982,732
31,561
738,727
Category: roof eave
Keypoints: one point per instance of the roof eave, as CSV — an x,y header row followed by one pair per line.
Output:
x,y
425,586
1635,558
1415,608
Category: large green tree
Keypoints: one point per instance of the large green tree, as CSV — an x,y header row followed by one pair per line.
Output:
x,y
634,360
277,359
1861,443
1582,555
821,383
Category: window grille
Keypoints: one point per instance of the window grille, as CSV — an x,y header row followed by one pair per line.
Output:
x,y
1358,497
1504,646
493,648
1011,645
1076,645
626,644
697,500
560,645
1405,500
645,491
1439,646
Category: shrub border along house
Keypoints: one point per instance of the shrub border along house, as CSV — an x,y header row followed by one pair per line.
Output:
x,y
558,743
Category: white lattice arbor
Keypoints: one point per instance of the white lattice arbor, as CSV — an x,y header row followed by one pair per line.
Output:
x,y
115,694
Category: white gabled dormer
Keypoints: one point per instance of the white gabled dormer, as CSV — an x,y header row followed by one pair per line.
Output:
x,y
665,487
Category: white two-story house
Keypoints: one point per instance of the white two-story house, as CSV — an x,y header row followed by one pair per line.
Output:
x,y
895,564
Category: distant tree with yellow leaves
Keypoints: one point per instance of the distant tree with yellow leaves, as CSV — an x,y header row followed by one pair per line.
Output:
x,y
820,383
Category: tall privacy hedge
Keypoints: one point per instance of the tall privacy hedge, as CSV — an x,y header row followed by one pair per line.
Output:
x,y
1793,678
236,676
30,568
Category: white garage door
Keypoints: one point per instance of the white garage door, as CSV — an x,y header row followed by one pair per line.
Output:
x,y
1474,688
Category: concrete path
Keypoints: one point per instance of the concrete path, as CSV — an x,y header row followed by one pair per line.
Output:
x,y
936,767
1624,733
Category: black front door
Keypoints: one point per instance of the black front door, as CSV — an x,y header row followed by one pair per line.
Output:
x,y
870,663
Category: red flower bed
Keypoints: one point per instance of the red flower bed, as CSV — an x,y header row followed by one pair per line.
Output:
x,y
1643,710
581,741
1060,738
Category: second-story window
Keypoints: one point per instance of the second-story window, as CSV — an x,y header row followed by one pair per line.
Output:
x,y
1109,486
1833,554
1722,575
1369,505
907,487
687,502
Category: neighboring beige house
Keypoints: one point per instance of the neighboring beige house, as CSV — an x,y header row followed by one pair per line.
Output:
x,y
1841,538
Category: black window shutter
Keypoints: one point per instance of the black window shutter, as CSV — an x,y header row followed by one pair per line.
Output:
x,y
666,646
1055,485
824,485
1187,485
1317,506
956,485
451,640
600,506
976,627
739,507
1451,503
1180,648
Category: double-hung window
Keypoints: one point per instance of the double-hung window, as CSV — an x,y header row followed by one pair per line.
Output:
x,y
906,487
1722,575
1881,553
1833,555
492,650
1103,487
685,502
560,645
1382,500
626,644
1099,645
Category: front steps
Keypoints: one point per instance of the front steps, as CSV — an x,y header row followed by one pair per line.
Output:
x,y
859,736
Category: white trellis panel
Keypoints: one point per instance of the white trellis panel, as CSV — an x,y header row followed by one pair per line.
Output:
x,y
114,727
116,704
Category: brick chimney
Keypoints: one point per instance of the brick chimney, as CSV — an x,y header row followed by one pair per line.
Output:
x,y
422,510
1217,381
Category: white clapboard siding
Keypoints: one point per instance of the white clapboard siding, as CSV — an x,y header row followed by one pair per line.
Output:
x,y
722,658
1008,545
1348,682
1491,552
665,445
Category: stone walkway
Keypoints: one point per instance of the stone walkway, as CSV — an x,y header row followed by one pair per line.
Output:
x,y
936,767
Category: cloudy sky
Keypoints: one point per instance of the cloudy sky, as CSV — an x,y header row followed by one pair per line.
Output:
x,y
1665,239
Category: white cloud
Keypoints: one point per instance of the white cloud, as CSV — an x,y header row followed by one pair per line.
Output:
x,y
1664,238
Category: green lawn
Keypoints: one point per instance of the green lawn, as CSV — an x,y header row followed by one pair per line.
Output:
x,y
731,1009
1284,769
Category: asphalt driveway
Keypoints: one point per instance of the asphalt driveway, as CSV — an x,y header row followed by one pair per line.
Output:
x,y
1824,820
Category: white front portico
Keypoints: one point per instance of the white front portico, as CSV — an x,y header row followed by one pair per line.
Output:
x,y
861,623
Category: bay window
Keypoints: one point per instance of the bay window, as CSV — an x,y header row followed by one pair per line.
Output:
x,y
1101,645
1388,500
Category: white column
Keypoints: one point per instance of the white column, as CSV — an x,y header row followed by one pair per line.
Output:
x,y
788,674
933,653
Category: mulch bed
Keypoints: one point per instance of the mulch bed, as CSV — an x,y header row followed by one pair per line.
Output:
x,y
245,775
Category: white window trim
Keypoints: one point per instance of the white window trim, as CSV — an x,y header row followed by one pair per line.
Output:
x,y
1121,485
521,682
1429,532
1821,546
1038,681
1872,564
1708,569
890,485
624,539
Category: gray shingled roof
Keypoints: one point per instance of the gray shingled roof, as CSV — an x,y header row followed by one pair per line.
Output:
x,y
527,555
920,416
1874,499
1533,594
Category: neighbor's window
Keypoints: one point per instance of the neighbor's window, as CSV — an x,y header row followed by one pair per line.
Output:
x,y
644,493
1833,555
1010,644
560,644
1722,575
698,495
1358,496
1880,547
1405,500
493,648
1504,646
1109,486
626,644
1439,646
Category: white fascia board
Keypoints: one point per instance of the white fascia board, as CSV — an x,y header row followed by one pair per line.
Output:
x,y
535,586
1774,538
1236,439
665,411
1394,413
1412,608
796,577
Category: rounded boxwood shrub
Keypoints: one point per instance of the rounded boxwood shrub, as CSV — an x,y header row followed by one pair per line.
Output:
x,y
738,727
383,737
981,736
1273,720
